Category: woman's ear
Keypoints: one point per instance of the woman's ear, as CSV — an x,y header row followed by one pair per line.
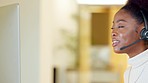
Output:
x,y
139,29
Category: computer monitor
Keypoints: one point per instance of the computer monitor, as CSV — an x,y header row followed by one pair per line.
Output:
x,y
9,44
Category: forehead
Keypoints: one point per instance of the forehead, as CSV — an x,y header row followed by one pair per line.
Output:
x,y
124,16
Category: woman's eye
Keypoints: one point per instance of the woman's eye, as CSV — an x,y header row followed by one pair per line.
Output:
x,y
120,26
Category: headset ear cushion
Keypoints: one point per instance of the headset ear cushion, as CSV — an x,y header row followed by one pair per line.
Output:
x,y
144,34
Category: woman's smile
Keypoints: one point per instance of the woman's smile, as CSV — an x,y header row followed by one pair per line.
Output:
x,y
115,42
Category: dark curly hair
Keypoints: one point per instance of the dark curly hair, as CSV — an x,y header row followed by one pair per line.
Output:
x,y
134,8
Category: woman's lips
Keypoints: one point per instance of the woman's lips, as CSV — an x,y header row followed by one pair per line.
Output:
x,y
115,43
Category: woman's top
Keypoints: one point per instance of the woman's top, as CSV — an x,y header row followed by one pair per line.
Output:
x,y
137,72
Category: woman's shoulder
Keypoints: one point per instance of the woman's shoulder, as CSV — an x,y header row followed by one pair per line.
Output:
x,y
146,65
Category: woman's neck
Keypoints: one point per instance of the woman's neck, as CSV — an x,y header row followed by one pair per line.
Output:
x,y
135,51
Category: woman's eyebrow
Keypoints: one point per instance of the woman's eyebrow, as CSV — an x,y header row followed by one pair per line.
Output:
x,y
120,20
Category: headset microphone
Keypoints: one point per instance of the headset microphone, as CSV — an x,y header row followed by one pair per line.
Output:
x,y
124,47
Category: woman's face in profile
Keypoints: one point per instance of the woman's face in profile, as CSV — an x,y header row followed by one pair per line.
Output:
x,y
124,31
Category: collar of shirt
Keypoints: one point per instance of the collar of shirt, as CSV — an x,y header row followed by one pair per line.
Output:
x,y
139,59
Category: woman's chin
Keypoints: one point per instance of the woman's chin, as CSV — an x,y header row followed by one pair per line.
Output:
x,y
117,50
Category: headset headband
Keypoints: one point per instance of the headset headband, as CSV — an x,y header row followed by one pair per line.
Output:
x,y
144,18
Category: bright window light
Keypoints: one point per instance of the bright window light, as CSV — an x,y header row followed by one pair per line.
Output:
x,y
102,2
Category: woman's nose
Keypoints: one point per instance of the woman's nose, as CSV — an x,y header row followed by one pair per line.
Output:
x,y
114,34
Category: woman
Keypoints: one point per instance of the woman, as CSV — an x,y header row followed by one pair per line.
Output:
x,y
130,36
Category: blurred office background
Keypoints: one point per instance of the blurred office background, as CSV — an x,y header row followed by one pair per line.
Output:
x,y
68,41
82,51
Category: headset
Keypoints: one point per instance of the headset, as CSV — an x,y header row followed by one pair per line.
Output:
x,y
144,31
